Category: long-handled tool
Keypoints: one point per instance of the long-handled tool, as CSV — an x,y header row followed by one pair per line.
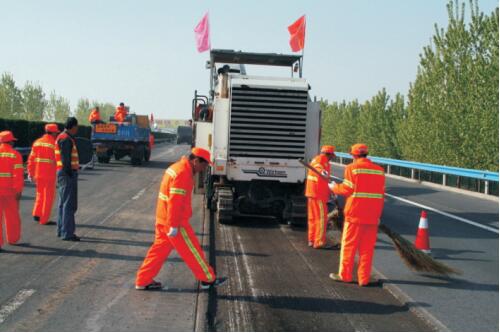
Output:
x,y
412,257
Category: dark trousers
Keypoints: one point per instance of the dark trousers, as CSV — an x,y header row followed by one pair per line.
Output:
x,y
67,187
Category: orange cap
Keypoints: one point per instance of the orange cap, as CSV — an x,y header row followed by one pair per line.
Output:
x,y
359,149
7,136
328,150
52,128
202,153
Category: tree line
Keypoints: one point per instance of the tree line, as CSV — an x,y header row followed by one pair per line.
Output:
x,y
450,115
31,103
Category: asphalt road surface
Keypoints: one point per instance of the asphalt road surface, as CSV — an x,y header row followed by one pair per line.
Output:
x,y
275,281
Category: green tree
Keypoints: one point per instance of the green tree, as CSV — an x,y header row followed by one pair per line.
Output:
x,y
82,111
453,103
10,97
33,101
57,109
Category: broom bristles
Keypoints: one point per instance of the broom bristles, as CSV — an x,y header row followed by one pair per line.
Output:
x,y
414,258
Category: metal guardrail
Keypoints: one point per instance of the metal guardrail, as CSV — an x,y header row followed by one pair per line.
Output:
x,y
469,173
481,175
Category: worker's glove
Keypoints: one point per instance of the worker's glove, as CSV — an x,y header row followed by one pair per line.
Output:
x,y
172,232
331,185
324,173
30,179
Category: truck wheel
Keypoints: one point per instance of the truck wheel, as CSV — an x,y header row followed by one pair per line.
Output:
x,y
224,209
103,159
136,161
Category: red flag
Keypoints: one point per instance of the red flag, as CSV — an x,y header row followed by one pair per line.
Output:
x,y
298,34
202,34
152,119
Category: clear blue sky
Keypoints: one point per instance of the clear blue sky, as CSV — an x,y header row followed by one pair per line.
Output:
x,y
143,52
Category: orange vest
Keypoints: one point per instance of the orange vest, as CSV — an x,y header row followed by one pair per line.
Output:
x,y
42,159
94,116
75,162
11,170
317,187
364,187
173,208
120,114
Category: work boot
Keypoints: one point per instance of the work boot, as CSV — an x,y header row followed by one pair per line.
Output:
x,y
36,218
73,238
217,282
336,277
152,286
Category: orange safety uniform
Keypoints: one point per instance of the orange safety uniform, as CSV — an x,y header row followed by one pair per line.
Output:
x,y
151,141
364,188
75,161
42,169
317,193
120,114
11,183
94,116
174,210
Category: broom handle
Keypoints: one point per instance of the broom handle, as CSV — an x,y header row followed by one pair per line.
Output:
x,y
310,167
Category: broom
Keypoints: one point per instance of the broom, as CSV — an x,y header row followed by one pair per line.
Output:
x,y
412,257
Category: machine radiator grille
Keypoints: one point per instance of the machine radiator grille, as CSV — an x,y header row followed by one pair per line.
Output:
x,y
267,123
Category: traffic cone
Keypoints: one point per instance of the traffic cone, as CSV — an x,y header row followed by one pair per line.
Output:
x,y
422,241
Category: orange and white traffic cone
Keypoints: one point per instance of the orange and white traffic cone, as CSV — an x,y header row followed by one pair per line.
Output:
x,y
422,241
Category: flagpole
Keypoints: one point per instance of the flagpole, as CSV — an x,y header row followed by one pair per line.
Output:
x,y
303,47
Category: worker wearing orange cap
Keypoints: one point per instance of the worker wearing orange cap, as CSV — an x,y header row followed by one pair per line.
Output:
x,y
364,188
11,187
173,211
318,193
95,116
120,113
42,170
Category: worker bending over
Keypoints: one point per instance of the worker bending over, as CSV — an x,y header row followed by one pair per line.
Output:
x,y
173,211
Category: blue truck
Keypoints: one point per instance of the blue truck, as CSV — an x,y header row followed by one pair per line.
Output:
x,y
130,138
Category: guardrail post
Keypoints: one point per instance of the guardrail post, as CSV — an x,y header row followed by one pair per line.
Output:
x,y
486,187
444,179
412,173
388,169
341,160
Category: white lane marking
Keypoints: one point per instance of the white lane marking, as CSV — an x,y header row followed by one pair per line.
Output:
x,y
18,300
137,196
458,218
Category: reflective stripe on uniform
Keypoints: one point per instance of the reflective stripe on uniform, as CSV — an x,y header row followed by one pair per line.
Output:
x,y
367,195
18,166
11,155
44,160
312,178
162,196
5,174
367,172
348,183
171,173
322,219
179,191
43,144
194,251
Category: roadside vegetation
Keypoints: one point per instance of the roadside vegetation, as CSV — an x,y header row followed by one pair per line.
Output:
x,y
450,114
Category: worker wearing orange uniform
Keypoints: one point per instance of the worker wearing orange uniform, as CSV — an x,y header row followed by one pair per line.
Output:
x,y
364,188
11,187
120,113
95,116
318,193
42,170
151,141
173,211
